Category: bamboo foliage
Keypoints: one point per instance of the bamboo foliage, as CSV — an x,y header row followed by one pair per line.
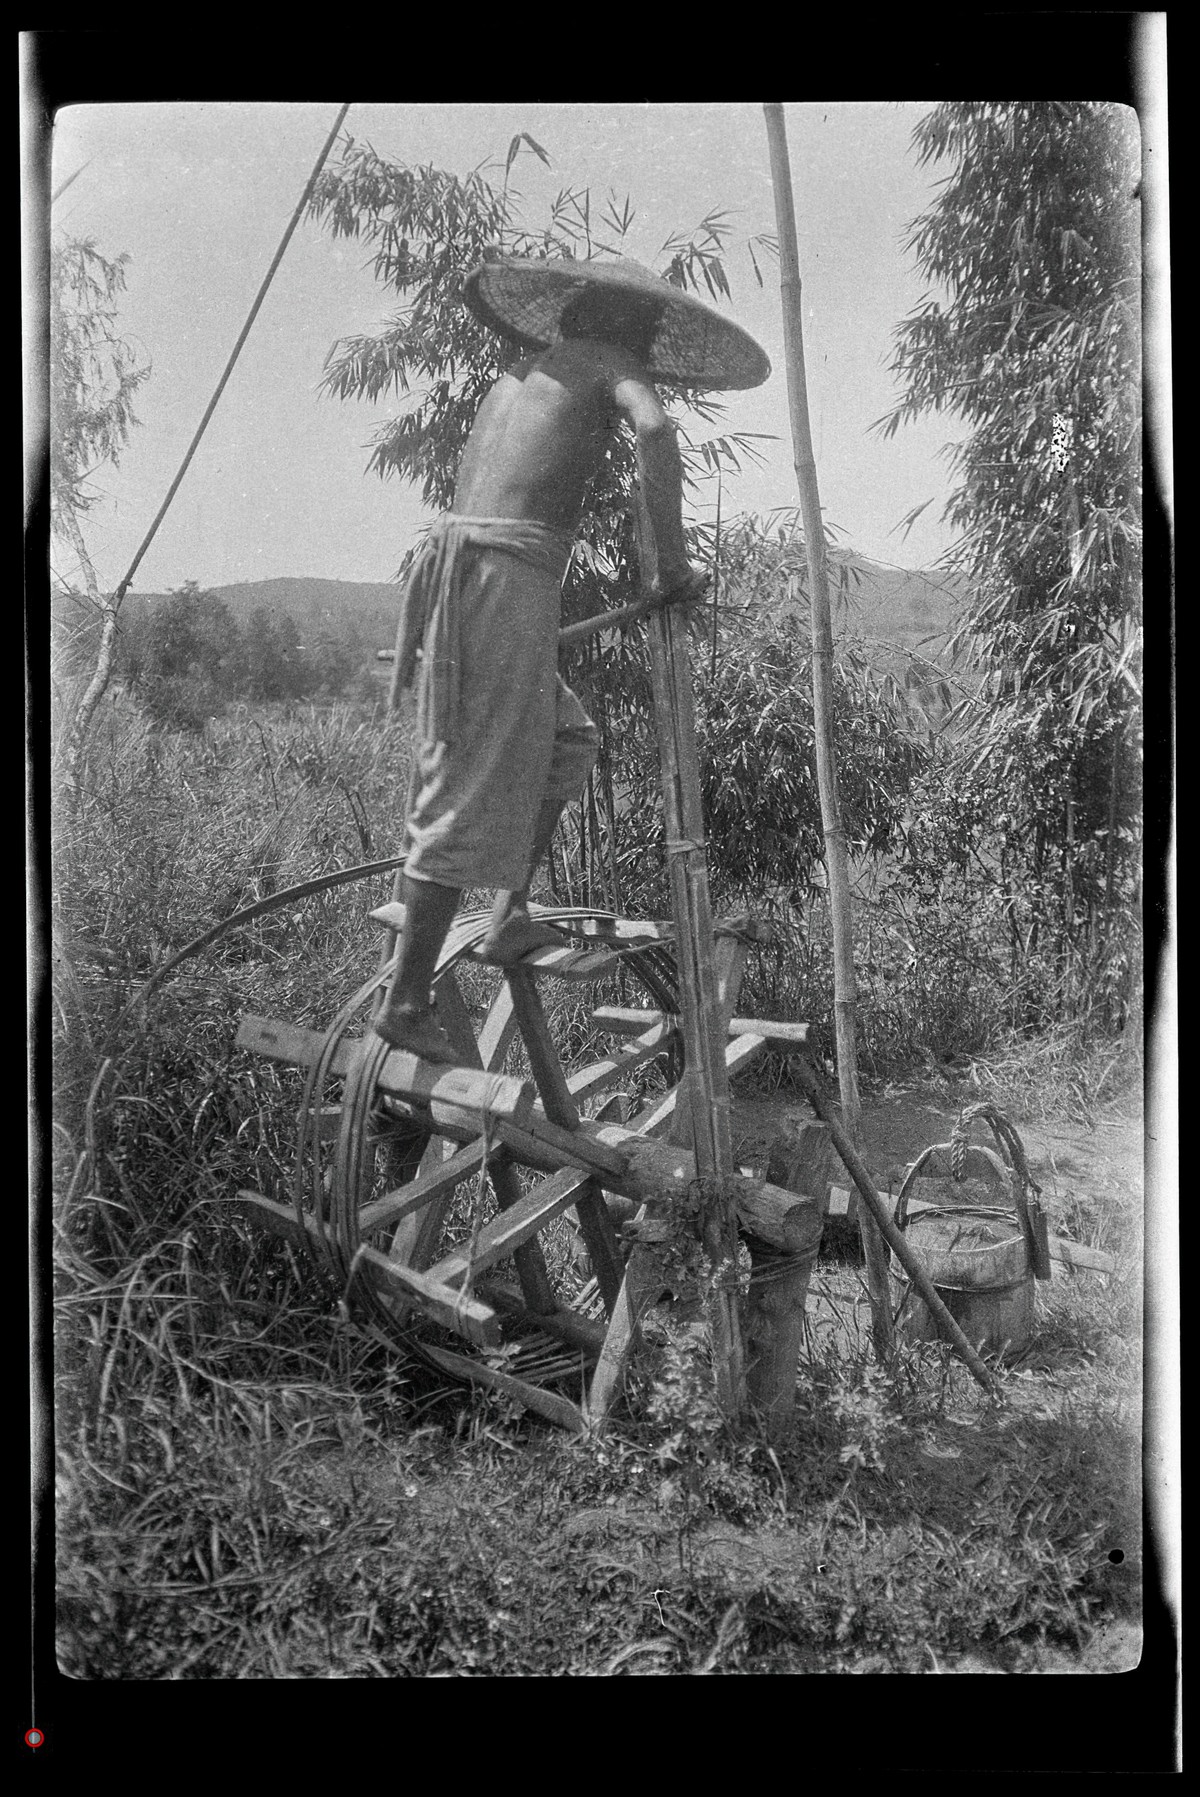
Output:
x,y
1030,337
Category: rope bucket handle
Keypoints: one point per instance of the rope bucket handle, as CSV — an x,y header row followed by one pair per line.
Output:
x,y
900,1215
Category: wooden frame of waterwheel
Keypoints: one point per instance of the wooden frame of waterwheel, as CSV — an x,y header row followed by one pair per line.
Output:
x,y
385,1142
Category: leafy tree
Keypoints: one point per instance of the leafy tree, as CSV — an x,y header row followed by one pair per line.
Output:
x,y
185,658
274,665
1033,342
94,375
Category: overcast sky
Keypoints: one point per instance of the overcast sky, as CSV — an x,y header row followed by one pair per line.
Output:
x,y
198,195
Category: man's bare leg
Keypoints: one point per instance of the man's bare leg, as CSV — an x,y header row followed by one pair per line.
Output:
x,y
512,933
407,1019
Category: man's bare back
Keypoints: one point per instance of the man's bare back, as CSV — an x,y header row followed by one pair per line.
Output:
x,y
541,433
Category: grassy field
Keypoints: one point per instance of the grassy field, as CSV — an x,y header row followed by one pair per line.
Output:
x,y
250,1489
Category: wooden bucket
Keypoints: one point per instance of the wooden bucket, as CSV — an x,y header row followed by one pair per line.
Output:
x,y
976,1253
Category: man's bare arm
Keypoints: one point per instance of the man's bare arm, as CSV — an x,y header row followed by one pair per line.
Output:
x,y
660,473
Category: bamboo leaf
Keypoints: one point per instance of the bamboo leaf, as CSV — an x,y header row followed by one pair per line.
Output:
x,y
536,148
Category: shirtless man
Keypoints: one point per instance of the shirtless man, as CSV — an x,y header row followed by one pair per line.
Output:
x,y
505,744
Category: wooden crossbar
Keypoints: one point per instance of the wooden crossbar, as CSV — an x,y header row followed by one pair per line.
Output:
x,y
440,1303
423,1189
509,1228
614,1067
623,1020
402,1075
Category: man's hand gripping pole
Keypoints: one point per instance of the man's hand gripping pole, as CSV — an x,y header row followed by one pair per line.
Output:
x,y
623,615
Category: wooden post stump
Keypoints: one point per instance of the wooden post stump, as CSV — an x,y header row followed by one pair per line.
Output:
x,y
801,1160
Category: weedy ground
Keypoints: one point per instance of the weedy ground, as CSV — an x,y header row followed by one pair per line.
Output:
x,y
247,1488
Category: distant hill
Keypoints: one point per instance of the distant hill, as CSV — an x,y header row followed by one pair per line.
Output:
x,y
886,606
320,607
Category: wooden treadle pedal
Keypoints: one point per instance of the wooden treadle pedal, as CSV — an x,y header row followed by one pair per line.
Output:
x,y
567,963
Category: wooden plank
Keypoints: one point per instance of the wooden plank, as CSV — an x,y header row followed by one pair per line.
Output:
x,y
456,1089
614,1067
561,1108
278,1219
1074,1254
641,1289
626,930
622,1020
440,1303
528,1258
600,1238
543,1403
627,1020
418,1234
566,1325
442,1178
598,1213
507,1231
739,1054
499,1029
547,1070
564,963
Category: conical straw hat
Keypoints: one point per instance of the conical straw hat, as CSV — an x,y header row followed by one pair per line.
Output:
x,y
693,346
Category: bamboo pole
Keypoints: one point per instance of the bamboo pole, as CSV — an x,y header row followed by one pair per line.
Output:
x,y
822,665
706,1079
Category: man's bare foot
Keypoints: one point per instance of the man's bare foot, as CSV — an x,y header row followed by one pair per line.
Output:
x,y
416,1031
517,936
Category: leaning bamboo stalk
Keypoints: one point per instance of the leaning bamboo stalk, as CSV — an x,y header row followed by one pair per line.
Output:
x,y
836,859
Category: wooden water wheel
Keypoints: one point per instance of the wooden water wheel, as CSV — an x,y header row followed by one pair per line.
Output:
x,y
409,1194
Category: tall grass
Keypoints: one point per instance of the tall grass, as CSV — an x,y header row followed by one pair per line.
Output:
x,y
249,1488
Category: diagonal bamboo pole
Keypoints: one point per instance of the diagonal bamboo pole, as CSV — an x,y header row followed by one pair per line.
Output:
x,y
822,665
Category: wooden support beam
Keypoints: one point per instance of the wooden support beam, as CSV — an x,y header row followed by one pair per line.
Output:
x,y
439,1303
640,1291
278,1219
513,1226
543,1403
800,1161
601,1074
566,1325
561,1109
499,1029
527,1254
417,1236
450,1091
624,1020
701,1028
441,1180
